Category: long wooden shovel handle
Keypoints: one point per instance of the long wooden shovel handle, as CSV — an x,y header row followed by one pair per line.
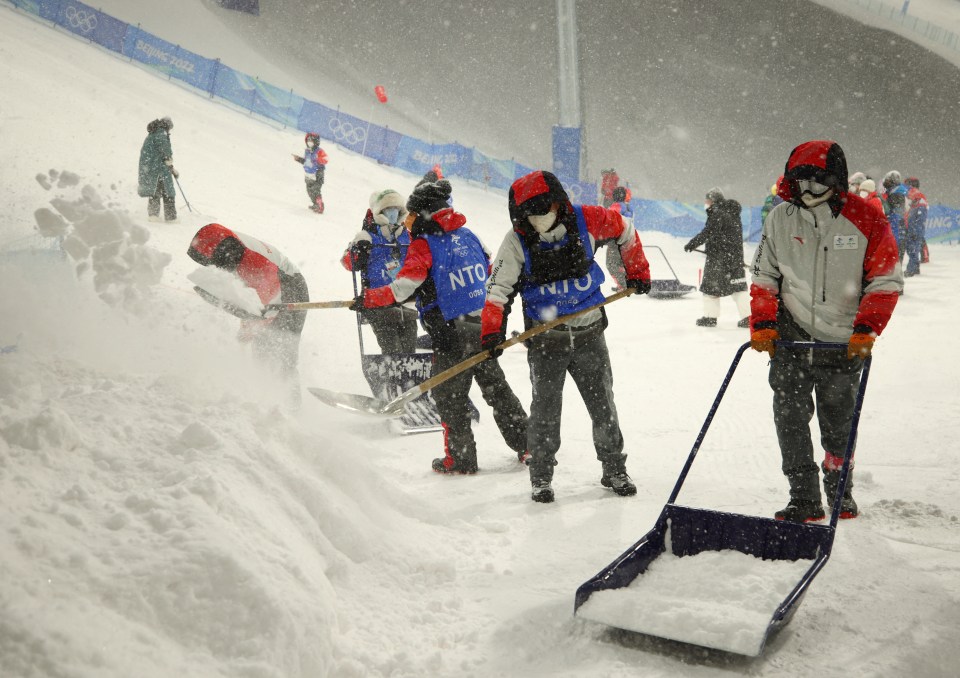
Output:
x,y
307,305
412,394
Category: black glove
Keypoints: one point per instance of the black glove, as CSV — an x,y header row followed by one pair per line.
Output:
x,y
357,304
688,248
489,342
642,287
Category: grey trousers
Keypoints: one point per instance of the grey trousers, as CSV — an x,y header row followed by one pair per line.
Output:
x,y
584,355
796,377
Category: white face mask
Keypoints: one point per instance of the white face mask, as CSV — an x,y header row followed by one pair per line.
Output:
x,y
864,194
543,222
391,213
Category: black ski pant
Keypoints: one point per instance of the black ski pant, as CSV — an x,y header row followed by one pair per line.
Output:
x,y
394,327
796,377
583,354
460,340
314,186
169,203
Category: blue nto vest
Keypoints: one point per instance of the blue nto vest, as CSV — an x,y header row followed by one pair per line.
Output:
x,y
310,164
545,302
386,257
459,273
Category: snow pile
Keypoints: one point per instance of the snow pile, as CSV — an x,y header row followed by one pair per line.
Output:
x,y
102,240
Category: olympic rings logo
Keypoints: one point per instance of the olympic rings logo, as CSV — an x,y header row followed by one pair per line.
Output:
x,y
575,191
81,19
346,132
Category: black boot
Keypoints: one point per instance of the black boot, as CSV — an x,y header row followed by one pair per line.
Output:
x,y
542,492
801,512
706,322
805,504
619,483
451,465
831,480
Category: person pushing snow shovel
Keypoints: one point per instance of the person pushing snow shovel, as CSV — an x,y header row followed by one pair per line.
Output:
x,y
826,270
549,257
446,268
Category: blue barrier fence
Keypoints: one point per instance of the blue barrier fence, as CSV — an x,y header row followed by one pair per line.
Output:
x,y
361,136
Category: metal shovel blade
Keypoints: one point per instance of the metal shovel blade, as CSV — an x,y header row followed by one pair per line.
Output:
x,y
355,403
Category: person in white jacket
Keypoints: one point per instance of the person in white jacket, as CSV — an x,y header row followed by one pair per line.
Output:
x,y
826,270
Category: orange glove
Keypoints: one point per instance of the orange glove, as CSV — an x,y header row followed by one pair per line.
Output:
x,y
860,346
762,340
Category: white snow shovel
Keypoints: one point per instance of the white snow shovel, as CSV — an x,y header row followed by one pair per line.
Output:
x,y
721,580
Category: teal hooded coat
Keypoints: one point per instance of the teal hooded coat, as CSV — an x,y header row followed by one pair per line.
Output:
x,y
154,154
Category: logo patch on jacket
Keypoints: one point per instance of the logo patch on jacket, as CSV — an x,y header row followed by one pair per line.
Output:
x,y
846,242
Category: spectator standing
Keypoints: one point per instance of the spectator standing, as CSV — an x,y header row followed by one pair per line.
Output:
x,y
916,221
621,204
826,270
895,207
609,180
723,272
314,161
157,172
868,191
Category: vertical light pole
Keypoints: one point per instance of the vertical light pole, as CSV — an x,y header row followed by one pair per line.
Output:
x,y
568,133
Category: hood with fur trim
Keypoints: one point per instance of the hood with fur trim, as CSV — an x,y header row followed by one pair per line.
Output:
x,y
380,200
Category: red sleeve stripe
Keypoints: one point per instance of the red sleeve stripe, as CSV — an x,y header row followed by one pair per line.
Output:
x,y
261,274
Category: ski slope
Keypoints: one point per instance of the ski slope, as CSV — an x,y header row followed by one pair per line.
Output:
x,y
160,514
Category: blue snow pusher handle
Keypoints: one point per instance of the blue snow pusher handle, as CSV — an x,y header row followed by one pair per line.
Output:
x,y
695,530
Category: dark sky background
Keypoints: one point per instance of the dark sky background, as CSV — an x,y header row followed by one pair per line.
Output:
x,y
677,96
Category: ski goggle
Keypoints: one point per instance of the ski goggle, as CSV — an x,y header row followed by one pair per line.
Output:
x,y
812,187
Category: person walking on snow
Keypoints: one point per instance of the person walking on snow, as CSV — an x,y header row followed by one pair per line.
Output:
x,y
549,258
276,335
314,161
157,172
446,269
378,252
723,273
826,270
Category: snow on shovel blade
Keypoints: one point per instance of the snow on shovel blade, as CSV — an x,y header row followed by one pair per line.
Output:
x,y
356,403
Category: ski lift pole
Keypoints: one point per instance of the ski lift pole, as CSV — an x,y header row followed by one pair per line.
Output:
x,y
182,193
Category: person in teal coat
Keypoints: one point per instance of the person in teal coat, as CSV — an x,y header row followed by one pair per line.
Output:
x,y
157,171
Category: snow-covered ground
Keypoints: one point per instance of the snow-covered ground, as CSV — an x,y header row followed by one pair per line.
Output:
x,y
160,515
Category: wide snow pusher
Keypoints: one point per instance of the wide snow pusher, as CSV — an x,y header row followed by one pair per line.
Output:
x,y
719,580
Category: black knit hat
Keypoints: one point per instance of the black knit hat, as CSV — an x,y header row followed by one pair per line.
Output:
x,y
430,197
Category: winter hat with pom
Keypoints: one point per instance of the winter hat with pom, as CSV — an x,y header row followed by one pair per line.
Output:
x,y
430,197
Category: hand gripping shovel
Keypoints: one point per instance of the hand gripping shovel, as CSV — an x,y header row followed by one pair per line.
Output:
x,y
395,407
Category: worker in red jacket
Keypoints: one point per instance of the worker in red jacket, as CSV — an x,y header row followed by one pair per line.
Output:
x,y
275,335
